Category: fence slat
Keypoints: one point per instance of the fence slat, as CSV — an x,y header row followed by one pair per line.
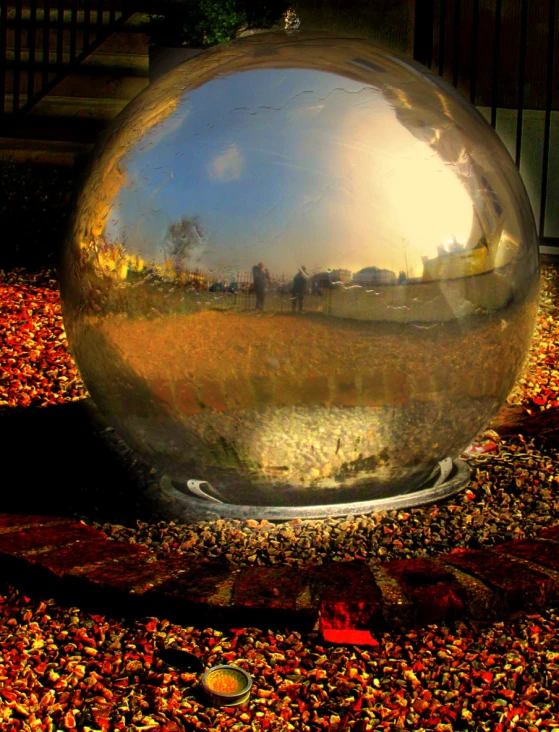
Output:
x,y
31,45
99,5
456,49
86,22
60,36
423,32
521,78
46,42
3,45
496,64
74,31
548,104
442,20
112,11
16,74
475,46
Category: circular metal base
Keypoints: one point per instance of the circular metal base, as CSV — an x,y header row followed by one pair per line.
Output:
x,y
190,508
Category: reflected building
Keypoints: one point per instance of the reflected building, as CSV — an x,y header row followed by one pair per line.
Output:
x,y
374,276
456,262
341,275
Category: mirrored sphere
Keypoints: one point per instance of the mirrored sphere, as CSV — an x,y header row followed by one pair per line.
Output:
x,y
301,268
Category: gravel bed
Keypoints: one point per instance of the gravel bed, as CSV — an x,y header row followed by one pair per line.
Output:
x,y
61,669
514,493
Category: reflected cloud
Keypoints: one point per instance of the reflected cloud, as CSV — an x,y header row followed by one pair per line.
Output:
x,y
228,166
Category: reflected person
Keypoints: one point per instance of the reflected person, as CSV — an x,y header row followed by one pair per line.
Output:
x,y
298,290
261,278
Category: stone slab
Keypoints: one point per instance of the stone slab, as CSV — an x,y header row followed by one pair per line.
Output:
x,y
484,602
273,597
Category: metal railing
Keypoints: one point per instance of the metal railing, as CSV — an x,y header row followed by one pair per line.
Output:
x,y
41,41
504,57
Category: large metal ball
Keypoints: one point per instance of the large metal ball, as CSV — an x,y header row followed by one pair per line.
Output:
x,y
303,269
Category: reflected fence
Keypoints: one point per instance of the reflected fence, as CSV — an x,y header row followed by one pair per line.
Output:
x,y
412,301
239,293
186,293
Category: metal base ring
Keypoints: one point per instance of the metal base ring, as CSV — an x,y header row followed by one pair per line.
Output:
x,y
189,508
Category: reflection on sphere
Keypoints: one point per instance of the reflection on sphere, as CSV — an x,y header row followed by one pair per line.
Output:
x,y
301,268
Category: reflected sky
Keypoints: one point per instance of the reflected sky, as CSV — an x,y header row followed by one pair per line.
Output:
x,y
273,162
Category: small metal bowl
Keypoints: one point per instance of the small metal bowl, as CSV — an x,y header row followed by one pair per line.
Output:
x,y
227,686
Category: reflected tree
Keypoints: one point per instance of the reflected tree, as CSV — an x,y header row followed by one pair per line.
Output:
x,y
183,243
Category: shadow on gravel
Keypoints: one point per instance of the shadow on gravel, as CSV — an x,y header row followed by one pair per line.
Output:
x,y
62,460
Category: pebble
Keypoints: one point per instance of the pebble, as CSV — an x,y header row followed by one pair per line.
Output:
x,y
512,494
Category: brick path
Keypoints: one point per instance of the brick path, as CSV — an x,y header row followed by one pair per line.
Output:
x,y
349,601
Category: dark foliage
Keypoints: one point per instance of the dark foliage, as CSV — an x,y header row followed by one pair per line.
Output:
x,y
34,209
205,23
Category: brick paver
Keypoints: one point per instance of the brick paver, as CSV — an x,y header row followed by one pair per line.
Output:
x,y
517,585
136,573
349,602
86,554
538,551
552,533
203,583
19,543
14,522
434,592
